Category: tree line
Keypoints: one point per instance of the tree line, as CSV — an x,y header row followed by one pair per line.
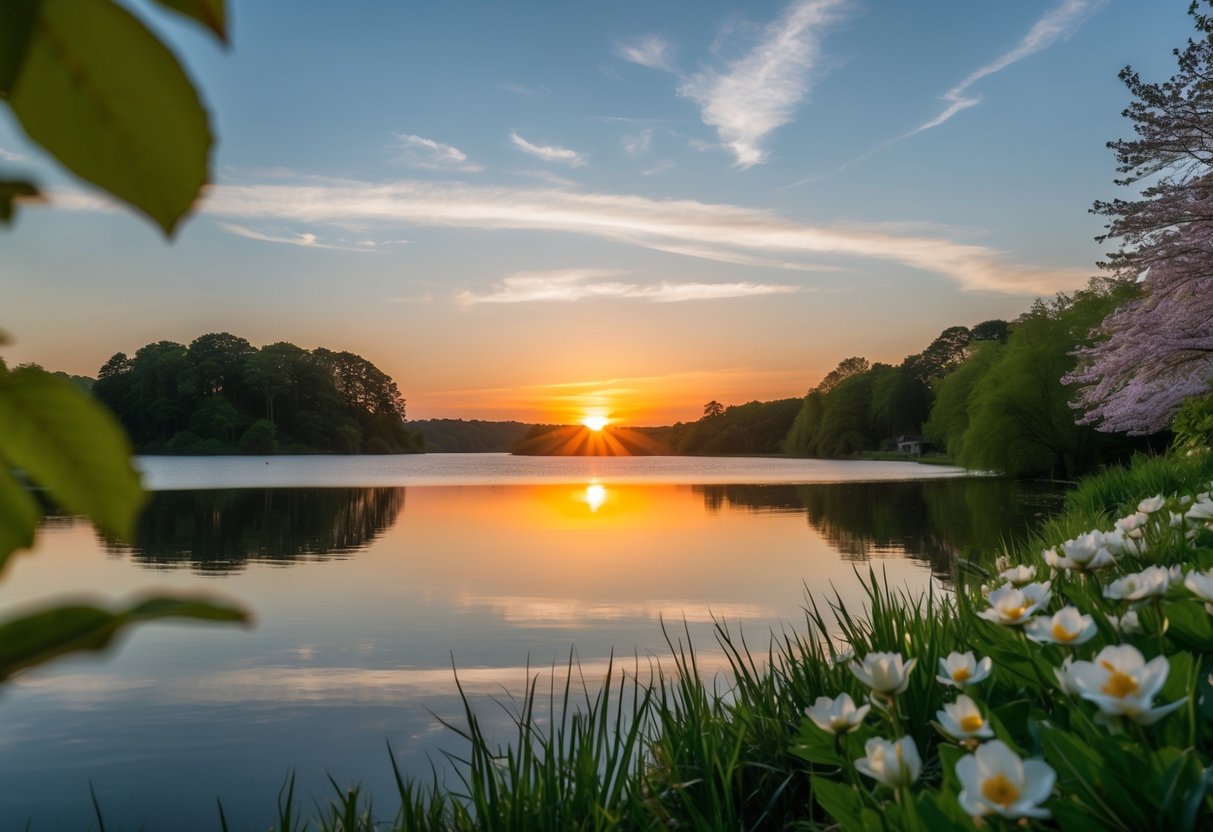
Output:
x,y
222,395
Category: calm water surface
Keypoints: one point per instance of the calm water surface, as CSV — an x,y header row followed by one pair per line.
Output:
x,y
369,577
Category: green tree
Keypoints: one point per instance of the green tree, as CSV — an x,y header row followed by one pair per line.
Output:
x,y
949,418
845,422
713,409
218,361
1020,421
992,330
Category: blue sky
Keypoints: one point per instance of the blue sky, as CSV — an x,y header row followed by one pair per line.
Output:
x,y
533,210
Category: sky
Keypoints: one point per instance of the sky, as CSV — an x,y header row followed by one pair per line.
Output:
x,y
541,211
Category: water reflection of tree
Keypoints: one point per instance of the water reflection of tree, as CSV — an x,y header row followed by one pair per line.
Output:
x,y
934,520
221,531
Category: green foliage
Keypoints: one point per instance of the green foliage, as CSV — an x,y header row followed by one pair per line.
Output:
x,y
34,639
91,83
210,13
222,395
1193,424
1116,491
949,417
66,444
1005,409
863,407
752,428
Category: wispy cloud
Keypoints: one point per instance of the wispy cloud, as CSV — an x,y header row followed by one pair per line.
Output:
x,y
713,231
652,51
547,177
759,92
307,239
567,286
420,152
521,89
661,167
1058,23
634,145
549,153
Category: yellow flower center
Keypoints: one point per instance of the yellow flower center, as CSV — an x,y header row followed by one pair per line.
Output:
x,y
971,723
961,674
1119,684
1013,613
1063,635
998,789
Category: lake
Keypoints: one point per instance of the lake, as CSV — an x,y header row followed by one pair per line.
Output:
x,y
371,578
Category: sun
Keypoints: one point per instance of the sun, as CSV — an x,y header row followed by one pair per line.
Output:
x,y
595,423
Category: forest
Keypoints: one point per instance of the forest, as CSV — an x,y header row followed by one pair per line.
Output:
x,y
996,396
222,395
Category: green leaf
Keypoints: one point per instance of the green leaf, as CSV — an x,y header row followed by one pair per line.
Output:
x,y
210,13
37,638
109,101
1189,625
841,802
12,191
817,746
18,516
71,445
16,32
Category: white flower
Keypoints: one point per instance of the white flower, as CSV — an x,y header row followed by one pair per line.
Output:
x,y
1201,510
1038,593
1121,542
1151,504
844,655
1018,574
884,673
1200,584
1126,624
1063,678
1132,524
1067,626
1012,607
1122,683
892,763
837,716
962,720
962,669
1148,583
994,780
1086,552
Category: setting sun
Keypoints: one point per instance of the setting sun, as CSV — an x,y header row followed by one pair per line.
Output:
x,y
595,422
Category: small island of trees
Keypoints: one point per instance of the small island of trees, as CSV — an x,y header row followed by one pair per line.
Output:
x,y
222,395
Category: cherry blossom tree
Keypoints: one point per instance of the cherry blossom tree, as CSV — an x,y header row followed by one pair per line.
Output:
x,y
1156,350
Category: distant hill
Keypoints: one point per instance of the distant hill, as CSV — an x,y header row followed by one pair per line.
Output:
x,y
454,436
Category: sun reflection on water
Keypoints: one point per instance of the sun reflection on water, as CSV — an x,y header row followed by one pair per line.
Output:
x,y
595,495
